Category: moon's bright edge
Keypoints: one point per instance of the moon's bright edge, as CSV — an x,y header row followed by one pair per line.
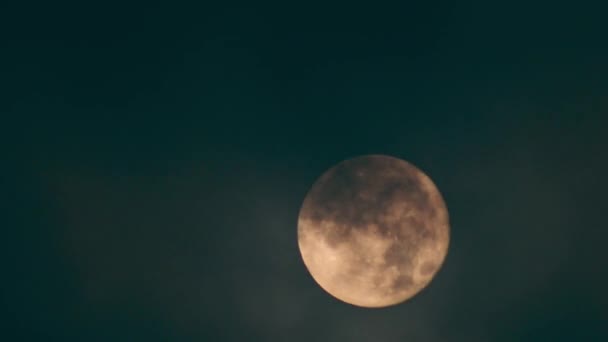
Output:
x,y
373,231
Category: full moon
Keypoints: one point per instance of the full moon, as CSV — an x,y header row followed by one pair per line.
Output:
x,y
373,231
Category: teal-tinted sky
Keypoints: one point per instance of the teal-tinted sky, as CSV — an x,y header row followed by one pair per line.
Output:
x,y
157,156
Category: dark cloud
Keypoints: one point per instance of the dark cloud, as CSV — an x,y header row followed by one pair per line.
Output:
x,y
156,158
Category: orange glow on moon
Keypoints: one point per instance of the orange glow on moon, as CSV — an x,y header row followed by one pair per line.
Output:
x,y
373,231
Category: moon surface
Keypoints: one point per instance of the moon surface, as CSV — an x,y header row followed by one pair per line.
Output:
x,y
373,231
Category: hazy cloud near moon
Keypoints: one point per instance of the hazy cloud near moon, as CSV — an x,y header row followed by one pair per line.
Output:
x,y
167,258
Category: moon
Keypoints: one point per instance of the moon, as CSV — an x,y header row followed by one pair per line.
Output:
x,y
373,231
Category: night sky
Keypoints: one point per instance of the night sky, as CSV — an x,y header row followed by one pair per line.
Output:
x,y
156,157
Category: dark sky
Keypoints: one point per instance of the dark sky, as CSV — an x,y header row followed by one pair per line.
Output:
x,y
156,157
